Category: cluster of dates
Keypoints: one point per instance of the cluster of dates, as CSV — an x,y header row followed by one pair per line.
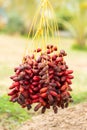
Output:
x,y
44,80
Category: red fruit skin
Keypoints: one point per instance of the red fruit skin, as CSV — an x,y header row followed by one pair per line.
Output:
x,y
39,86
34,50
60,74
32,56
53,93
41,65
25,94
15,69
37,107
48,51
53,84
39,50
50,98
14,100
12,77
38,59
69,88
31,86
59,59
69,81
43,110
54,57
68,93
34,96
18,72
65,95
50,64
21,89
42,101
35,100
13,97
45,68
35,83
12,92
27,101
69,72
36,78
43,90
59,97
49,46
55,48
28,71
26,82
55,109
17,88
47,106
63,88
52,50
63,67
44,77
58,84
36,89
35,71
11,87
57,78
63,78
16,84
30,91
51,72
23,106
70,77
51,76
43,95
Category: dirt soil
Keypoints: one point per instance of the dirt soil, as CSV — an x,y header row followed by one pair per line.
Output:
x,y
73,118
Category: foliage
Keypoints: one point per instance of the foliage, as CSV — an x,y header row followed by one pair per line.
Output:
x,y
25,8
78,23
80,97
11,115
79,48
15,24
14,111
65,15
72,14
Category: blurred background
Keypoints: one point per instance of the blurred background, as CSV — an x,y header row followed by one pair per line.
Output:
x,y
15,21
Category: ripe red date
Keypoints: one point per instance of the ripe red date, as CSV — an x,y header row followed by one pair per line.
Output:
x,y
45,80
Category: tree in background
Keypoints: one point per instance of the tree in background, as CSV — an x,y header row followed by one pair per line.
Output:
x,y
71,14
25,9
77,25
3,16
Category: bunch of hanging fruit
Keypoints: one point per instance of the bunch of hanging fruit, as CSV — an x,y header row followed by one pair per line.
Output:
x,y
44,80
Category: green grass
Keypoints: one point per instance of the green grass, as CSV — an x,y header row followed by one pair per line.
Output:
x,y
79,97
77,47
12,114
79,86
13,110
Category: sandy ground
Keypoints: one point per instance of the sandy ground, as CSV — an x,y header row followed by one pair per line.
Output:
x,y
73,118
